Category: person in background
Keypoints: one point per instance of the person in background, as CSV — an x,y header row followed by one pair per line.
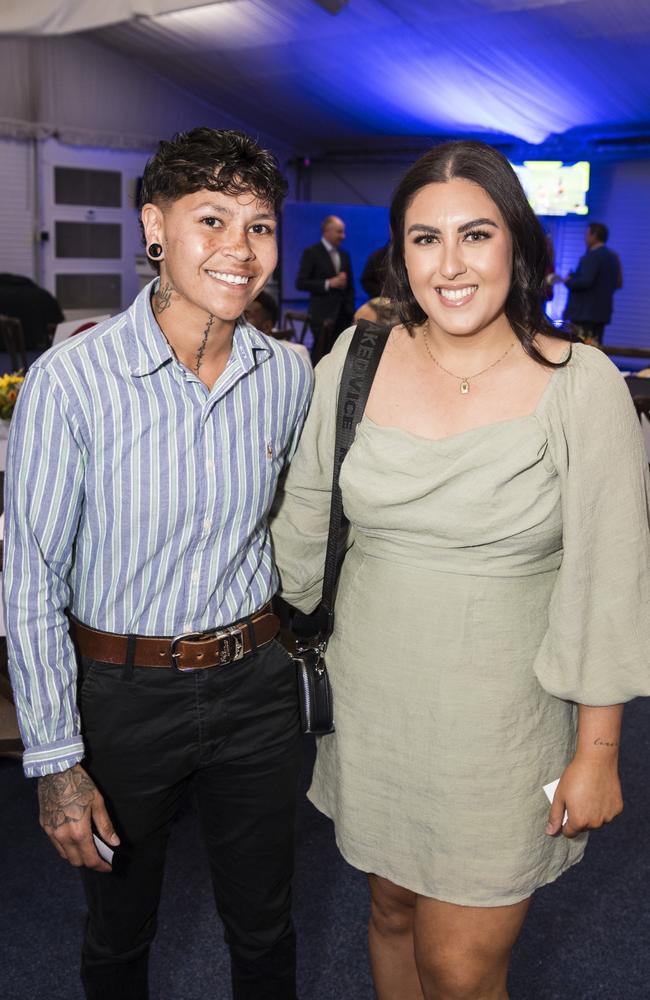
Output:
x,y
492,608
549,270
262,313
380,311
373,275
143,461
326,273
592,286
35,307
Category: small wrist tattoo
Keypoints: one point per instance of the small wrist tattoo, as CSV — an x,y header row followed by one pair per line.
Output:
x,y
600,742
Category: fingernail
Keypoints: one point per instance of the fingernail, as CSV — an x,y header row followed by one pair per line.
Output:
x,y
114,839
550,828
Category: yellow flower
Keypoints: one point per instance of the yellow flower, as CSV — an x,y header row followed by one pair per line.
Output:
x,y
9,388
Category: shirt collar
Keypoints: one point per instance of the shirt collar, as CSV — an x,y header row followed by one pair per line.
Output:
x,y
150,350
249,346
328,246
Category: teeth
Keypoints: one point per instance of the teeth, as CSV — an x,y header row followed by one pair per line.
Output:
x,y
456,294
232,279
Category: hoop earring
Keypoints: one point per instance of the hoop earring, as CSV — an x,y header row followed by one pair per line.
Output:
x,y
155,251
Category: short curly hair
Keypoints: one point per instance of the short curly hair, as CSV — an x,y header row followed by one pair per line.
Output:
x,y
214,160
483,165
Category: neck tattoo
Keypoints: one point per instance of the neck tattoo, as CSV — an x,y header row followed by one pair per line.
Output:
x,y
463,379
162,298
202,345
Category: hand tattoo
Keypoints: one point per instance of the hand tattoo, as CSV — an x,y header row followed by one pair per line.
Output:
x,y
201,350
65,797
162,297
600,742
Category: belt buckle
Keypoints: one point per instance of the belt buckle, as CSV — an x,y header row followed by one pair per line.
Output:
x,y
233,648
232,638
184,637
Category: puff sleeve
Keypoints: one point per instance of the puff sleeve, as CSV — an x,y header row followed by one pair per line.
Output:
x,y
596,650
300,519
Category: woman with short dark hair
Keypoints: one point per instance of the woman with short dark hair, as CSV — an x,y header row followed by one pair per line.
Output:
x,y
491,615
143,460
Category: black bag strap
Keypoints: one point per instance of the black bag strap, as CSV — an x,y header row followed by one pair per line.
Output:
x,y
361,363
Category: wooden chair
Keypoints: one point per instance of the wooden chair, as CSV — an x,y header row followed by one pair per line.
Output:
x,y
11,337
298,323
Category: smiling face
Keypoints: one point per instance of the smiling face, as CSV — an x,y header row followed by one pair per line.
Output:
x,y
458,256
219,250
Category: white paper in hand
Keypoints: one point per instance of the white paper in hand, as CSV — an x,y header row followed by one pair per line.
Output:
x,y
550,792
105,852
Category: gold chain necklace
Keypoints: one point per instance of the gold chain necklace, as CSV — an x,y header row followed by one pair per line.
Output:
x,y
464,379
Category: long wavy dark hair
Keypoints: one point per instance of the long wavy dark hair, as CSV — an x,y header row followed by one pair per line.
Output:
x,y
483,165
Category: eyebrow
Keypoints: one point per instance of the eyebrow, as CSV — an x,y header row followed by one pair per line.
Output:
x,y
420,228
212,206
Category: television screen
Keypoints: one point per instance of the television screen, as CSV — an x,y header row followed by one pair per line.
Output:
x,y
553,187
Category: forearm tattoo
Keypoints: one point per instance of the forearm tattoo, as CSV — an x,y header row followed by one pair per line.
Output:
x,y
201,350
600,742
162,297
65,798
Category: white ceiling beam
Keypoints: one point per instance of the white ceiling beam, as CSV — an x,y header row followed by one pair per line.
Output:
x,y
64,17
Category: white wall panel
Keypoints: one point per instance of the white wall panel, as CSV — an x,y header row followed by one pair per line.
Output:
x,y
130,166
624,205
17,222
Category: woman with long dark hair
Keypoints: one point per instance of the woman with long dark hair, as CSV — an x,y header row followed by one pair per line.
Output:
x,y
492,612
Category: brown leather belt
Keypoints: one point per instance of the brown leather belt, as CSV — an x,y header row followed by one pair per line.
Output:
x,y
189,651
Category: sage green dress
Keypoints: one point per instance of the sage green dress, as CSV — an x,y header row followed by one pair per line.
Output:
x,y
494,579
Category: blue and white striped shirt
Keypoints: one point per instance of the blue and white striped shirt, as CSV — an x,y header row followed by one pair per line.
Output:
x,y
138,499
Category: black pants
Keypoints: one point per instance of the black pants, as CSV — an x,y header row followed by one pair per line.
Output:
x,y
233,732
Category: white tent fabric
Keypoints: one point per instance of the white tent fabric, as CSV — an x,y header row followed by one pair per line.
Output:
x,y
85,94
44,17
391,68
379,72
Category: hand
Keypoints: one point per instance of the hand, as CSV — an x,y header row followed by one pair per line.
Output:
x,y
69,801
339,281
590,791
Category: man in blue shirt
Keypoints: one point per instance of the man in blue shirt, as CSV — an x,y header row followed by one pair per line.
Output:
x,y
592,286
142,465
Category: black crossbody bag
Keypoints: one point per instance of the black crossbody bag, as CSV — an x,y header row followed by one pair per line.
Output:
x,y
315,692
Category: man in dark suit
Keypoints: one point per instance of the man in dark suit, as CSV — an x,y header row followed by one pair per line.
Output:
x,y
592,286
326,273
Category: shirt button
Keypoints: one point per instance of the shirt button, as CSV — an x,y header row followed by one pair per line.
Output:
x,y
196,576
207,524
209,465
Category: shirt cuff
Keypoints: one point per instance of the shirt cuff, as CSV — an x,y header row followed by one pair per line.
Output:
x,y
51,758
327,284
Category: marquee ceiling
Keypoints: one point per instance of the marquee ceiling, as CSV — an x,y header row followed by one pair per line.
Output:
x,y
391,71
